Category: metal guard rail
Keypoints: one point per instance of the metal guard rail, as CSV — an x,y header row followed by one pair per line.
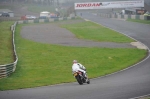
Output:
x,y
7,69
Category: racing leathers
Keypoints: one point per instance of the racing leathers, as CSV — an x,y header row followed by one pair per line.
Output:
x,y
79,67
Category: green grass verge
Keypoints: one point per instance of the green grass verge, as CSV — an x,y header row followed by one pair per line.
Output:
x,y
45,64
93,31
6,53
139,21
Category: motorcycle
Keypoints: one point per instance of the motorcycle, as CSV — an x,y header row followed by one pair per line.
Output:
x,y
80,78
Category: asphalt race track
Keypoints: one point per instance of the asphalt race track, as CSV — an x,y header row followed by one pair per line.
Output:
x,y
129,83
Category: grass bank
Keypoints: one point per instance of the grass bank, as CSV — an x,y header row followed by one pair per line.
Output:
x,y
95,32
51,9
6,52
139,21
40,8
46,64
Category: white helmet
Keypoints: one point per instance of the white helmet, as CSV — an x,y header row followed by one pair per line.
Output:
x,y
74,61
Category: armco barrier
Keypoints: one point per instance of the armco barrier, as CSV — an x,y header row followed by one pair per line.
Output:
x,y
7,69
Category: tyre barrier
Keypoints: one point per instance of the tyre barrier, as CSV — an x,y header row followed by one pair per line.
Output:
x,y
44,20
7,69
138,17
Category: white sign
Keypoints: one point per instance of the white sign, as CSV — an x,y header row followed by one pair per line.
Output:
x,y
105,5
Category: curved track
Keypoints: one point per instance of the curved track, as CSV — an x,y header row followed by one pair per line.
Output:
x,y
126,84
53,34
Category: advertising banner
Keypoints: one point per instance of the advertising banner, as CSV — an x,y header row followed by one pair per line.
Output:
x,y
107,5
140,11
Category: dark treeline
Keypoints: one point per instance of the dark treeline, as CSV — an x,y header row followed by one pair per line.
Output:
x,y
40,2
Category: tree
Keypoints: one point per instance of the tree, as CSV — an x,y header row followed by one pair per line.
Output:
x,y
57,2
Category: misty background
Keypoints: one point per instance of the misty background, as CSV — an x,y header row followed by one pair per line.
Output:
x,y
65,7
50,2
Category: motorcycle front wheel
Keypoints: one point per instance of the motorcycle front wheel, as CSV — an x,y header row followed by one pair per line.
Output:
x,y
88,82
79,80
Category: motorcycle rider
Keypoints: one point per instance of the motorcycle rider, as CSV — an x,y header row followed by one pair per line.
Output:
x,y
79,67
